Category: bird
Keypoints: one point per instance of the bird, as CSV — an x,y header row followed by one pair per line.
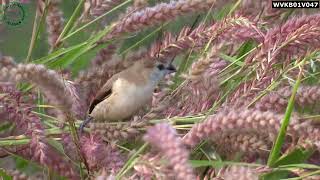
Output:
x,y
127,92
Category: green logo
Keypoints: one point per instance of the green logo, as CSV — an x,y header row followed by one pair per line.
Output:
x,y
13,13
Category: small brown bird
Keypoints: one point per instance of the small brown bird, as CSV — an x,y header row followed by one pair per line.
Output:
x,y
127,91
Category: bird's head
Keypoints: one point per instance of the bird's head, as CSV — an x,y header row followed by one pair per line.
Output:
x,y
155,71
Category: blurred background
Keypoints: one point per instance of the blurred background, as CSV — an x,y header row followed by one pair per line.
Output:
x,y
15,40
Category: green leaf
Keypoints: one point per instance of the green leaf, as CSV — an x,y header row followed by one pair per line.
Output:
x,y
4,175
140,38
313,66
277,174
60,52
219,164
244,49
302,166
58,146
5,126
130,162
71,56
294,157
231,59
304,176
95,20
72,19
21,163
13,142
275,152
38,21
234,7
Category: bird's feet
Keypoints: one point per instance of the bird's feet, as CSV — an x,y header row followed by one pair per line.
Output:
x,y
84,123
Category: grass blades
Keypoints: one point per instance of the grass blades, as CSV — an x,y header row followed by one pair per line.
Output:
x,y
95,20
71,22
276,149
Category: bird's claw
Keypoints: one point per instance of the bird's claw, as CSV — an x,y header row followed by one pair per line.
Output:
x,y
84,123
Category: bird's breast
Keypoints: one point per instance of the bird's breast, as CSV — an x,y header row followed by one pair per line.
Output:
x,y
131,94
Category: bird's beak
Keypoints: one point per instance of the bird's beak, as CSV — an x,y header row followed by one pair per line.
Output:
x,y
171,68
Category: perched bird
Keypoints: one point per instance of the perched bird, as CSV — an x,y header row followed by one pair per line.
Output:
x,y
127,91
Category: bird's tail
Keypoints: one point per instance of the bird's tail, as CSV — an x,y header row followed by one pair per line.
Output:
x,y
84,123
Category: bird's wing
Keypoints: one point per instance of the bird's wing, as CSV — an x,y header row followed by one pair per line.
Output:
x,y
103,93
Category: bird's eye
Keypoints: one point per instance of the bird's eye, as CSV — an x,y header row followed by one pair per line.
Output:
x,y
160,66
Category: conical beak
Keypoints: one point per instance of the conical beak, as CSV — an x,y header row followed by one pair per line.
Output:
x,y
171,68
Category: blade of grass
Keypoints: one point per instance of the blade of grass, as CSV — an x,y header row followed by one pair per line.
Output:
x,y
22,139
4,175
231,59
302,166
14,142
275,152
69,58
130,162
95,20
234,7
145,38
71,21
35,31
232,76
216,164
239,59
33,36
304,176
60,52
